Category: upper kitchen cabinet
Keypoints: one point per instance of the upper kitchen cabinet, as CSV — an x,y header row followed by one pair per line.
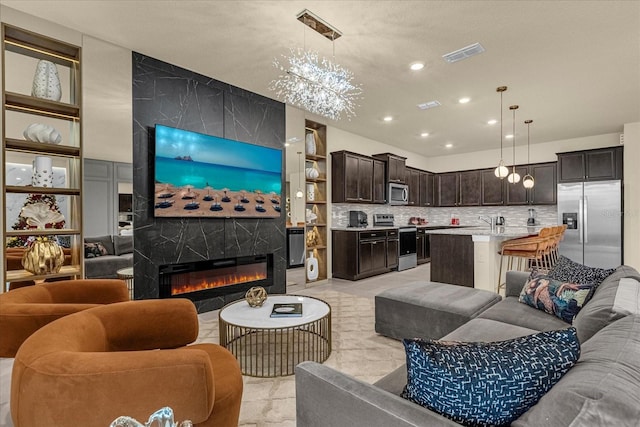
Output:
x,y
591,165
379,182
426,188
446,188
396,166
412,179
544,190
352,177
458,188
492,188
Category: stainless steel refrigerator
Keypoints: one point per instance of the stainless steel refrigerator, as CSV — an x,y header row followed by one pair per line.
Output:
x,y
593,214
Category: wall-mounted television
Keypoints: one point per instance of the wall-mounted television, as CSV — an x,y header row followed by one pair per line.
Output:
x,y
198,175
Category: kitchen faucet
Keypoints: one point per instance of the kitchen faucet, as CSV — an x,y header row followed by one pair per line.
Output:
x,y
489,220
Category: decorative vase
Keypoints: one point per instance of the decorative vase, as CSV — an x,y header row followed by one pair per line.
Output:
x,y
42,172
312,267
256,296
312,173
46,82
310,143
44,256
311,192
38,132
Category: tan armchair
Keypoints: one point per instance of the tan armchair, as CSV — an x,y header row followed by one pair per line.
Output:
x,y
129,358
25,310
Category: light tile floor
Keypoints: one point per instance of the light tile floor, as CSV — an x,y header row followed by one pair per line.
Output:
x,y
271,401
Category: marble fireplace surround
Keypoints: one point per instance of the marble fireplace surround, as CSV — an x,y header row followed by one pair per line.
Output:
x,y
172,96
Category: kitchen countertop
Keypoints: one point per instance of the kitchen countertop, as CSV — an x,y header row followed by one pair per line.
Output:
x,y
505,231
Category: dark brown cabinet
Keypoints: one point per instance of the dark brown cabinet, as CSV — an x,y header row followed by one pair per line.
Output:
x,y
492,189
445,268
351,178
591,165
426,188
544,191
447,185
413,181
379,183
470,188
395,166
360,254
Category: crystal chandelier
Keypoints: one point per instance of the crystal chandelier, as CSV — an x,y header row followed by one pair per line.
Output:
x,y
319,86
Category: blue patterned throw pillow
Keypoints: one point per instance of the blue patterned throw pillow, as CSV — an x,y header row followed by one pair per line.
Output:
x,y
485,384
563,300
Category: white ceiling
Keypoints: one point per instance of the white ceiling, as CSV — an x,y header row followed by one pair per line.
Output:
x,y
572,66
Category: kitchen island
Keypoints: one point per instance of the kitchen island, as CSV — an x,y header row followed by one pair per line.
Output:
x,y
469,256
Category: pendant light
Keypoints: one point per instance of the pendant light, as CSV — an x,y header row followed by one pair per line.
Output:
x,y
528,181
501,171
514,177
299,193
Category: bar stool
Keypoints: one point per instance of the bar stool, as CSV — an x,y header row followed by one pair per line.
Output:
x,y
529,252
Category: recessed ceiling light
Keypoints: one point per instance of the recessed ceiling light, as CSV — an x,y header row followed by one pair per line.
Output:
x,y
286,144
492,122
449,145
464,100
508,136
417,66
388,119
424,134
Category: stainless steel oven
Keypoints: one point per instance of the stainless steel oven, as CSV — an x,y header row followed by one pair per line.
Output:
x,y
407,257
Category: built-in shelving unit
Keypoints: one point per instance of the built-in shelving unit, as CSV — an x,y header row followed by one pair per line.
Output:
x,y
21,50
316,195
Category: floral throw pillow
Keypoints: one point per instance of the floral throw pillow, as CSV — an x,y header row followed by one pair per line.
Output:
x,y
562,299
93,250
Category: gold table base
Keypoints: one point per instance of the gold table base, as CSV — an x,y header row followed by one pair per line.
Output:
x,y
274,352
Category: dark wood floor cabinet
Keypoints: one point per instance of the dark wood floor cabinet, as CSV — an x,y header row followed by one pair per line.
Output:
x,y
591,165
452,259
395,166
360,254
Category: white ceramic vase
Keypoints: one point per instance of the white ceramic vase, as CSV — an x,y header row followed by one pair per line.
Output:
x,y
46,82
42,172
310,144
311,192
312,173
38,132
312,267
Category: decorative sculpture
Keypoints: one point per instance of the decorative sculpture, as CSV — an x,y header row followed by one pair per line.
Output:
x,y
256,296
161,418
46,82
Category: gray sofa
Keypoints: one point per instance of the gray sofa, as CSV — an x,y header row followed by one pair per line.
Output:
x,y
602,389
119,255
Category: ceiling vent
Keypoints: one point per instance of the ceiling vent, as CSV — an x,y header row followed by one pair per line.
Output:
x,y
430,104
464,53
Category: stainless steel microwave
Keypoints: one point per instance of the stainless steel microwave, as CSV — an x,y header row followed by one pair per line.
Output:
x,y
398,194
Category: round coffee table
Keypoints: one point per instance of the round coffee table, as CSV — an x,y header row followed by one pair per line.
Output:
x,y
272,347
126,274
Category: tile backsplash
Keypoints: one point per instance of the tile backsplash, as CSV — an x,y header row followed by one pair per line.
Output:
x,y
514,215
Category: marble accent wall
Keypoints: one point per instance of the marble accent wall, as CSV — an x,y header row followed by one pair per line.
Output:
x,y
172,96
514,215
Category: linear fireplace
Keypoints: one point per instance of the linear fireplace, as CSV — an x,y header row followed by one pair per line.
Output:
x,y
213,278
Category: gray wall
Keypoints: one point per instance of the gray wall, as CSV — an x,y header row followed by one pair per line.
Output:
x,y
169,95
100,195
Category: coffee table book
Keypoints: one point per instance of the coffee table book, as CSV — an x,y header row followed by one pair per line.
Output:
x,y
287,310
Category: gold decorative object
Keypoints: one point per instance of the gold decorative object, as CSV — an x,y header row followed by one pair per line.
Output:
x,y
44,256
312,238
256,296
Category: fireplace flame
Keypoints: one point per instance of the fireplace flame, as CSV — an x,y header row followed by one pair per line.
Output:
x,y
226,280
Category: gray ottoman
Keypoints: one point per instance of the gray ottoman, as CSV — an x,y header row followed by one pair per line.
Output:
x,y
428,309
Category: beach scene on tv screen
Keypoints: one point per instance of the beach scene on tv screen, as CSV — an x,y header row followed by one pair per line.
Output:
x,y
202,175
